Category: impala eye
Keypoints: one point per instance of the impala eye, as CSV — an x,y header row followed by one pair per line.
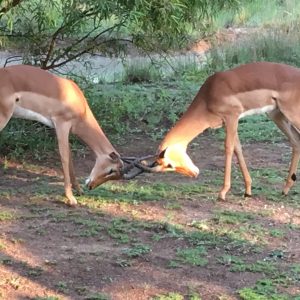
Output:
x,y
110,172
169,166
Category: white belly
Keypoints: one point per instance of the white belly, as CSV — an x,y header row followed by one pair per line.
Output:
x,y
255,111
27,114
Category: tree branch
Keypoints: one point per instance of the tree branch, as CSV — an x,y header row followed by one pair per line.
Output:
x,y
86,50
9,6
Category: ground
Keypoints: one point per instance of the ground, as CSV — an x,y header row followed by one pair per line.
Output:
x,y
157,237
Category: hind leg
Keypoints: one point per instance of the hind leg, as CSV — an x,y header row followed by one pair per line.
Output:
x,y
293,135
292,171
5,115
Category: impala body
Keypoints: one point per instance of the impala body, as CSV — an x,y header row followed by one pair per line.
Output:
x,y
31,93
223,99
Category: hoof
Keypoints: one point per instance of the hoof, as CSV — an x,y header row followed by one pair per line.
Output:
x,y
79,192
221,199
246,195
72,202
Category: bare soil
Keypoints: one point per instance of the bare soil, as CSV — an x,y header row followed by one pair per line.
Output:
x,y
44,250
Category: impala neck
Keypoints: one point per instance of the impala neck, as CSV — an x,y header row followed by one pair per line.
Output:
x,y
193,122
91,133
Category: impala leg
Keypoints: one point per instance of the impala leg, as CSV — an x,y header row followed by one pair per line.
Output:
x,y
285,126
231,133
292,170
74,181
62,132
6,111
242,163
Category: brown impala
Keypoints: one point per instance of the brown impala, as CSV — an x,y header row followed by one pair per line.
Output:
x,y
223,99
31,93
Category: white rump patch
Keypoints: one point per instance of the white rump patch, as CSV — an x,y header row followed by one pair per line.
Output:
x,y
256,111
28,114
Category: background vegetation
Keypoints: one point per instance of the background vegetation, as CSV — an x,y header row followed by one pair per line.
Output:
x,y
152,92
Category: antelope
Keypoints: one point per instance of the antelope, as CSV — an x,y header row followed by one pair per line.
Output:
x,y
224,98
31,93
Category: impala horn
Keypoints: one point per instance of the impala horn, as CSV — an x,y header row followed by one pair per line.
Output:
x,y
134,166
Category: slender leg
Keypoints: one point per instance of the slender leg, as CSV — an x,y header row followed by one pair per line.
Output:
x,y
293,135
74,181
6,111
231,133
62,132
242,163
292,170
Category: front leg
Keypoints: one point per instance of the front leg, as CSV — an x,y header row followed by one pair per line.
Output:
x,y
62,132
230,140
242,163
75,184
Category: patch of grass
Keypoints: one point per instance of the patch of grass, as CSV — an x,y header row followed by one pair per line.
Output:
x,y
87,227
232,217
6,216
193,256
263,290
97,296
46,298
229,260
277,232
257,267
35,272
120,228
169,296
137,250
141,71
255,14
62,287
2,245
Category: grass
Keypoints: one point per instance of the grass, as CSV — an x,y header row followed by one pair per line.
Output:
x,y
6,216
193,256
255,14
231,238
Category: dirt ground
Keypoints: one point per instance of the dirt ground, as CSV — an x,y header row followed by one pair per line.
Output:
x,y
51,251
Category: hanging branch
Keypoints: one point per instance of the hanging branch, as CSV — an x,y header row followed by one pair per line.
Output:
x,y
9,6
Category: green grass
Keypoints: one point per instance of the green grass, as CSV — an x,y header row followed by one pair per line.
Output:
x,y
46,298
137,250
7,216
193,256
264,290
258,14
169,296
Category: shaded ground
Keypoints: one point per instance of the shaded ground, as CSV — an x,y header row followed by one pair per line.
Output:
x,y
153,236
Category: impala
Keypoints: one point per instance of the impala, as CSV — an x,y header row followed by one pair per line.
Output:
x,y
31,93
223,99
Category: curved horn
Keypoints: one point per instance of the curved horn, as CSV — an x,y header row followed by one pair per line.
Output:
x,y
136,166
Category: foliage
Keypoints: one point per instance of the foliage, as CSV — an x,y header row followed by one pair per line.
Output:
x,y
277,45
55,32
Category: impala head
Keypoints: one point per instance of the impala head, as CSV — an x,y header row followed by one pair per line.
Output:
x,y
174,158
107,167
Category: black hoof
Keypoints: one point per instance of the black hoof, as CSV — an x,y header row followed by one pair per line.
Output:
x,y
221,199
247,195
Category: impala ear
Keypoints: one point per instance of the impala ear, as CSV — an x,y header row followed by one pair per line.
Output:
x,y
162,153
114,156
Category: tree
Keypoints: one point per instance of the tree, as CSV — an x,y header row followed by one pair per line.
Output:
x,y
54,32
